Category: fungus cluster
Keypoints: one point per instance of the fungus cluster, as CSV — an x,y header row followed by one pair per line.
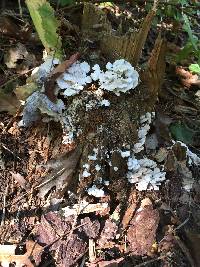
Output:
x,y
119,77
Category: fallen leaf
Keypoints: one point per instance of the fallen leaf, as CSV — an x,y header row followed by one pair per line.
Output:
x,y
187,78
19,58
132,203
181,132
24,91
50,232
62,174
12,27
22,182
91,228
142,231
108,233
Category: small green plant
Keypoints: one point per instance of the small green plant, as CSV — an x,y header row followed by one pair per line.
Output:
x,y
182,12
47,26
192,47
195,68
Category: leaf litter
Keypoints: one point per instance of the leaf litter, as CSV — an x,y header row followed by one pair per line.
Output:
x,y
68,164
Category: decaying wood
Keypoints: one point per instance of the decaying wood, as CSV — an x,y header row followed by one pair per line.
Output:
x,y
128,46
153,75
118,123
94,22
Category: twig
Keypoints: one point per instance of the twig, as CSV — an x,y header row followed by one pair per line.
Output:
x,y
83,261
6,148
20,8
4,206
182,224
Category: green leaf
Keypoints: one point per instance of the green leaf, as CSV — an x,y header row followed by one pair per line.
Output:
x,y
189,31
185,52
181,132
46,25
195,68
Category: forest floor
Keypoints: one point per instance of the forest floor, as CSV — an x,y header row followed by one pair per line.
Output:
x,y
124,226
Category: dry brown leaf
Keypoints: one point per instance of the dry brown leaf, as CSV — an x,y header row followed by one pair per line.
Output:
x,y
132,202
9,103
20,179
108,233
50,232
62,174
142,231
187,78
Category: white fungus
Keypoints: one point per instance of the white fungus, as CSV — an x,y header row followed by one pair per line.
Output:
x,y
106,182
86,173
119,76
145,121
125,154
97,168
45,68
105,103
94,156
144,173
74,79
96,192
86,166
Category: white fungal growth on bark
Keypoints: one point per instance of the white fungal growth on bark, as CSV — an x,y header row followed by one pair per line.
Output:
x,y
145,121
144,173
119,77
74,79
94,156
45,68
38,103
105,103
96,192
